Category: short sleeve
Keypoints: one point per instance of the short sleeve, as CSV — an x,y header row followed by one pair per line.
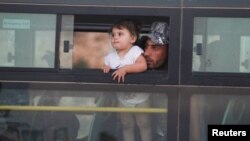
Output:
x,y
136,51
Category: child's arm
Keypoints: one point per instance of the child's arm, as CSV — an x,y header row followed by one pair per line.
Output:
x,y
140,65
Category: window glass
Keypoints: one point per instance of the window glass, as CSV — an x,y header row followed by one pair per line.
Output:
x,y
217,110
28,113
27,40
66,41
221,45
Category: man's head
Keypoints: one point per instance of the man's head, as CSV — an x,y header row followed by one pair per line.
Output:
x,y
155,54
160,33
156,46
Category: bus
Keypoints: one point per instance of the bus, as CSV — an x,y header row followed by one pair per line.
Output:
x,y
52,87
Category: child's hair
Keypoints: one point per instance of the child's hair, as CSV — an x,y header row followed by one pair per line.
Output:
x,y
132,26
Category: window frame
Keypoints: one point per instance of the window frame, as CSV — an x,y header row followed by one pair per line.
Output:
x,y
159,3
92,75
188,77
56,45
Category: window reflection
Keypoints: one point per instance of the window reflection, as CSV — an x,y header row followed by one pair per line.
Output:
x,y
218,41
27,41
217,109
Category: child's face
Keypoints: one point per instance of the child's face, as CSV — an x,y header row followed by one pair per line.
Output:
x,y
121,39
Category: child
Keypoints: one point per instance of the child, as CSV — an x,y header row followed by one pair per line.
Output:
x,y
128,58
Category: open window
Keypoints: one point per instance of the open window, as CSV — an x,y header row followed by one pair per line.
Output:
x,y
85,41
88,38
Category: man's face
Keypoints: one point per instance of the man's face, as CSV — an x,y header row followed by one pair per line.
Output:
x,y
155,55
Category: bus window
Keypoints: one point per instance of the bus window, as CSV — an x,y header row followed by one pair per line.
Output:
x,y
85,40
75,114
217,109
27,40
221,45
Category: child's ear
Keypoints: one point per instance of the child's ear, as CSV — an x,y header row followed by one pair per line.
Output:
x,y
133,39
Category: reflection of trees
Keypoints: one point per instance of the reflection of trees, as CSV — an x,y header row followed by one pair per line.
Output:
x,y
90,49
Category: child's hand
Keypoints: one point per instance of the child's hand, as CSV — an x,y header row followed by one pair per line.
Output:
x,y
120,75
106,69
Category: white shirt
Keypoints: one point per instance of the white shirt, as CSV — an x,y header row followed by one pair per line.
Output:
x,y
114,62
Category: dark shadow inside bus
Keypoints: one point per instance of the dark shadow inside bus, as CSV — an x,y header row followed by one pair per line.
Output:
x,y
57,113
220,109
34,113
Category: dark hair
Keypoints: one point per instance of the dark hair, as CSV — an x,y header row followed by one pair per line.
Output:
x,y
132,26
142,42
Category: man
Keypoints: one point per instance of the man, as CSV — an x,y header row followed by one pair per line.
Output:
x,y
156,46
156,52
